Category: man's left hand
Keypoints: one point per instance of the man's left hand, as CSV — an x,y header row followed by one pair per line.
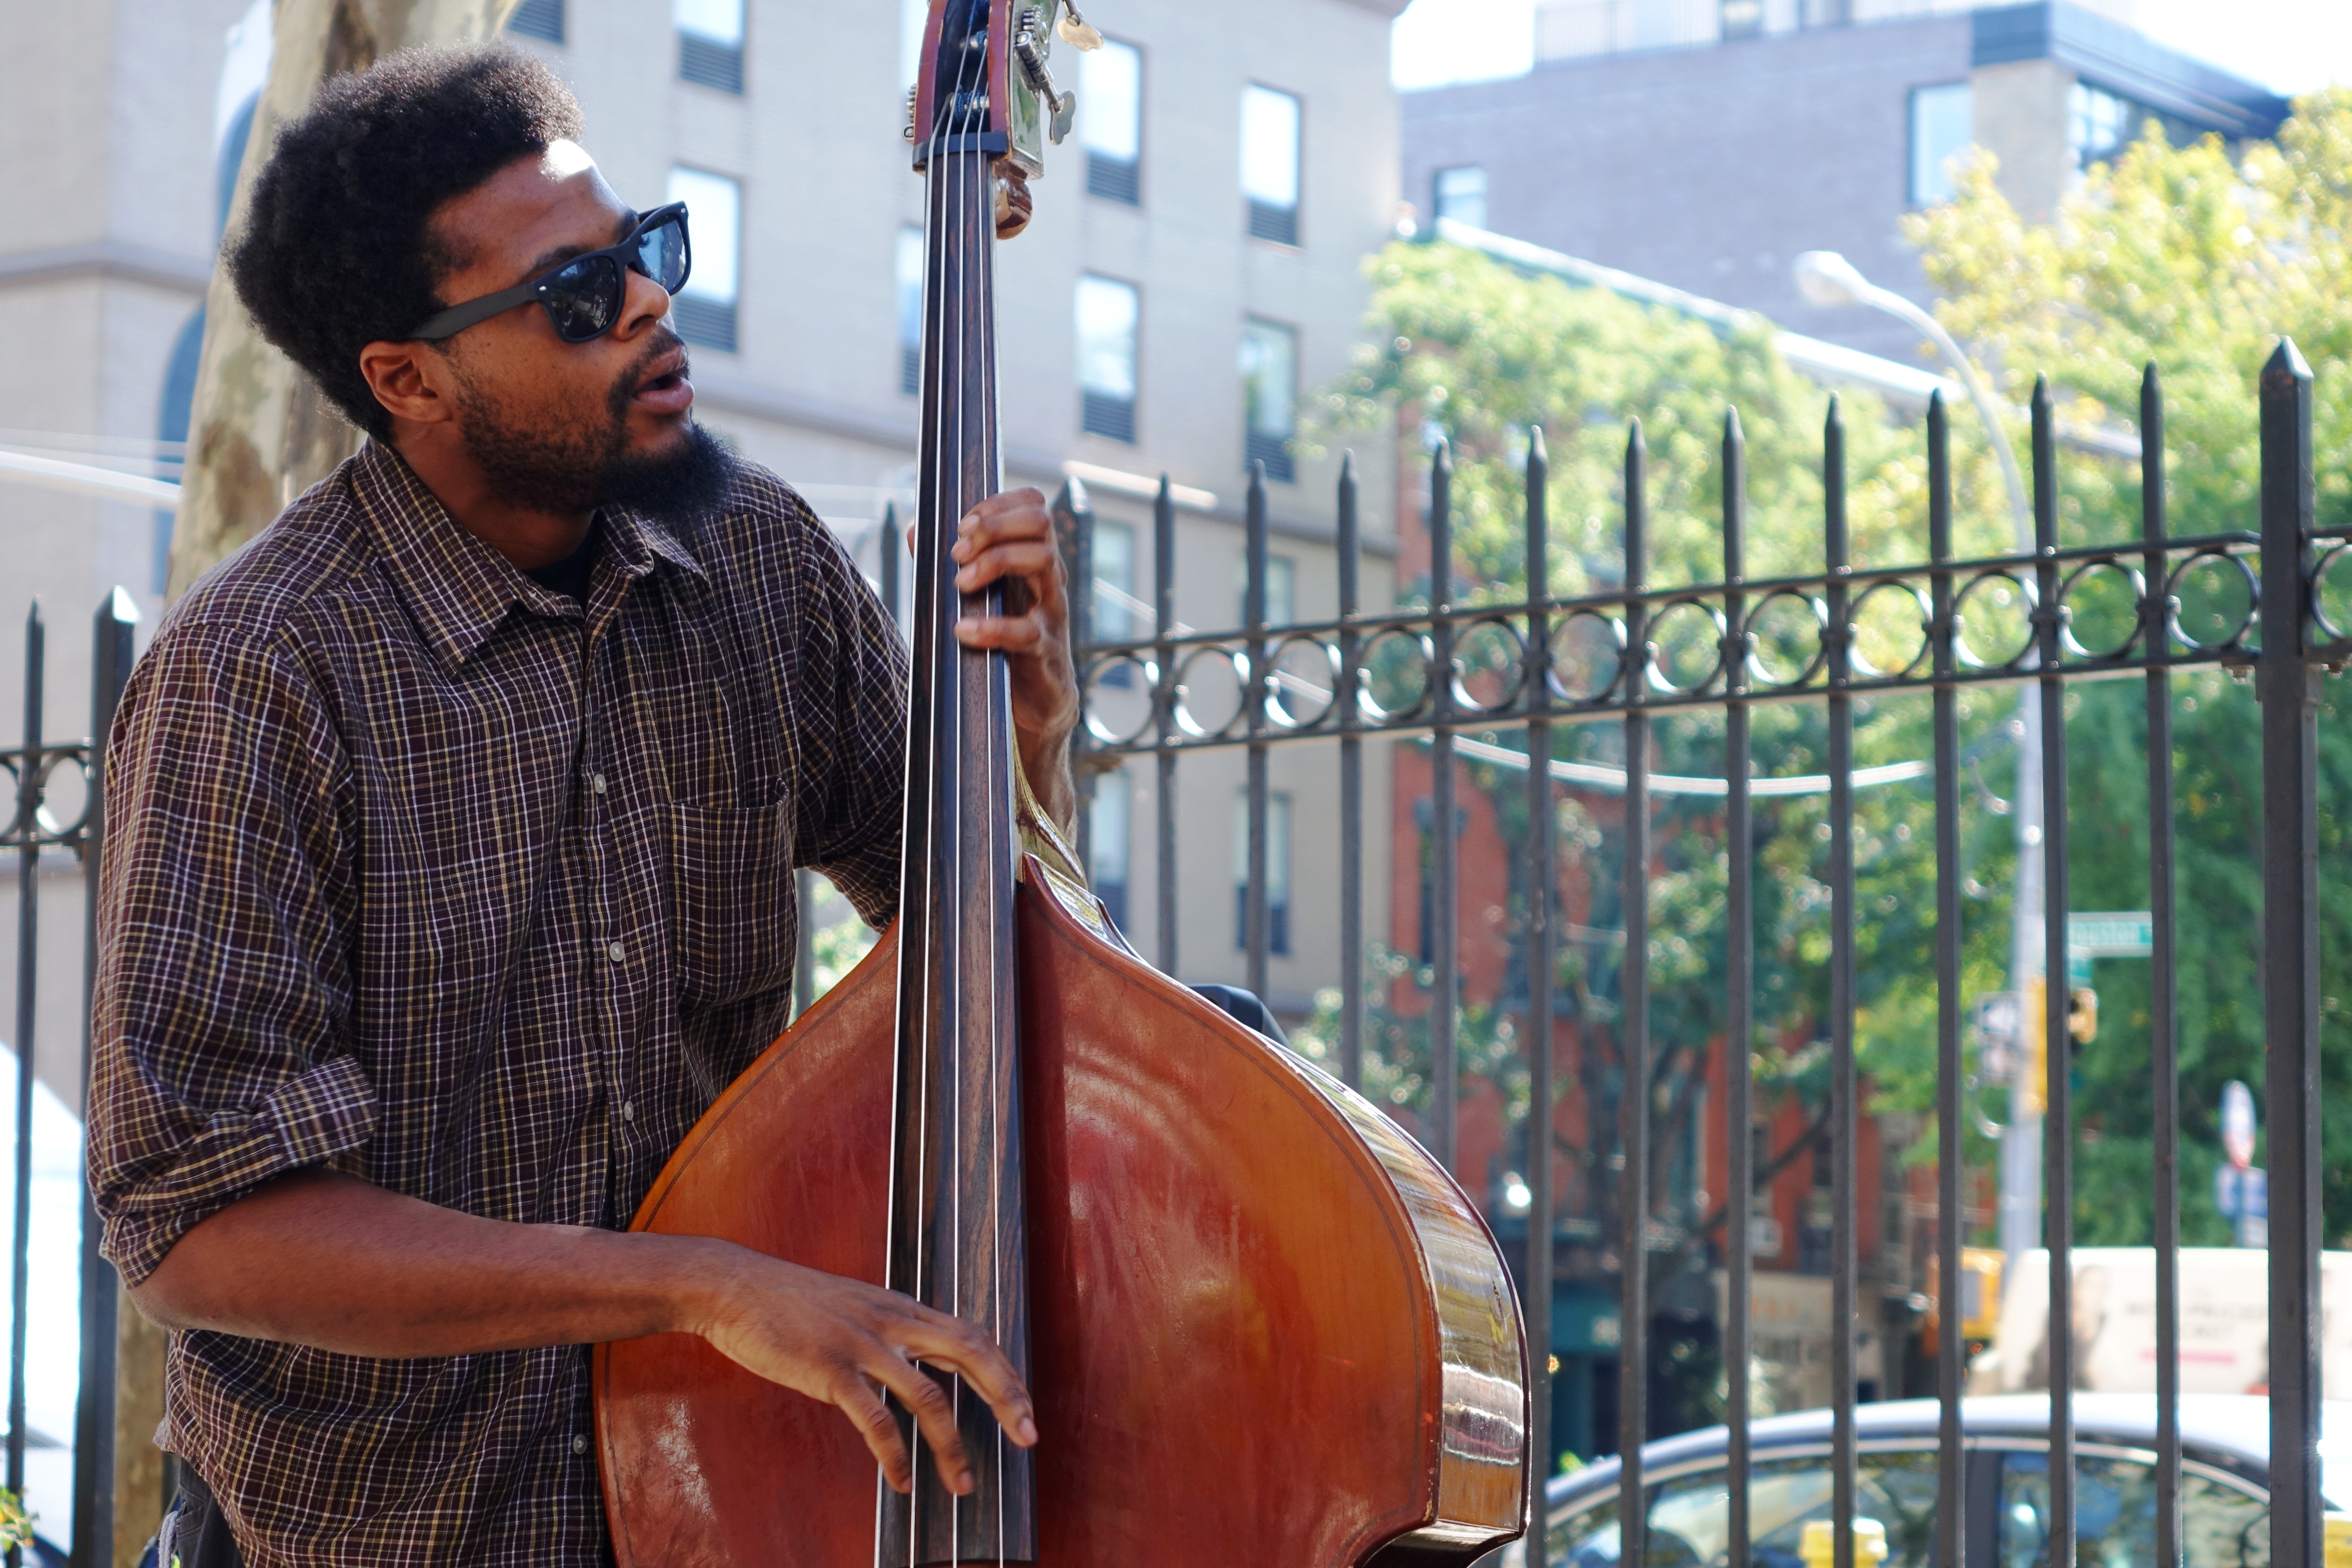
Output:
x,y
1008,538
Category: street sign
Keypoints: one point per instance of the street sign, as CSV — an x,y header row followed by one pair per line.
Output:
x,y
2114,934
2244,1195
2238,1123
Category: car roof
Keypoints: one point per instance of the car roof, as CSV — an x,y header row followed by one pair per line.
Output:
x,y
2234,1429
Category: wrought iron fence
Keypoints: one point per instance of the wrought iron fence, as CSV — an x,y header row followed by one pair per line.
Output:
x,y
1433,672
33,829
1598,658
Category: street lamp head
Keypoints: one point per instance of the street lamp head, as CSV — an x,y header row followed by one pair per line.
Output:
x,y
1824,277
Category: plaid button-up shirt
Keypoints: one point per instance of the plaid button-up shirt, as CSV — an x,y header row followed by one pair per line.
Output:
x,y
422,871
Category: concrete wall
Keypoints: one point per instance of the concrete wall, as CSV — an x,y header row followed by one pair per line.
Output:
x,y
1709,169
106,160
815,391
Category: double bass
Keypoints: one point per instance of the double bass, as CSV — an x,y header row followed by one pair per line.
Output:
x,y
1259,1323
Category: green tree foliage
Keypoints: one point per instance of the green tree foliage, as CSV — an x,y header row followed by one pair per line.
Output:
x,y
2178,256
2198,261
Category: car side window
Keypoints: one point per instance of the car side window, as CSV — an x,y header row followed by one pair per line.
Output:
x,y
1690,1516
2223,1526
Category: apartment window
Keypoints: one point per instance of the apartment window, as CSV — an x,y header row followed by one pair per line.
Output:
x,y
910,310
538,19
1277,873
710,43
1107,824
1108,314
1281,591
1270,163
1270,397
1741,18
1943,123
2099,123
1460,194
1110,120
704,309
1114,597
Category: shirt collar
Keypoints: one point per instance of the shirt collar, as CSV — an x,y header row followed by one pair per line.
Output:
x,y
459,586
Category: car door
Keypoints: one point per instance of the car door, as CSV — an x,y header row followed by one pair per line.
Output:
x,y
2224,1518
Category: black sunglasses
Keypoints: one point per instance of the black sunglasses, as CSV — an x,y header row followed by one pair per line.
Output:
x,y
584,295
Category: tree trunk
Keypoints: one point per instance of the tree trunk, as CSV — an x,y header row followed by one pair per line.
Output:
x,y
261,433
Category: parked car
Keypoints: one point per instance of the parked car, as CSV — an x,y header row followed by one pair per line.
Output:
x,y
2224,1485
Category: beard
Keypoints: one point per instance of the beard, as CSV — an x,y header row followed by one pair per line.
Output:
x,y
533,459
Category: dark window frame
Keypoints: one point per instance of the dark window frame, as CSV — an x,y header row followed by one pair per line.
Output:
x,y
707,62
1120,180
541,20
1104,414
1263,220
1281,461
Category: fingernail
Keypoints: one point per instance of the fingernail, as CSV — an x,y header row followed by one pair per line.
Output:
x,y
1027,1432
965,1483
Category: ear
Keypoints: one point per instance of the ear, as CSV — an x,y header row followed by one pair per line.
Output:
x,y
411,380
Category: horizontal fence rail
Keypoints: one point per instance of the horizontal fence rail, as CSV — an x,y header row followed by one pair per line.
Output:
x,y
2043,619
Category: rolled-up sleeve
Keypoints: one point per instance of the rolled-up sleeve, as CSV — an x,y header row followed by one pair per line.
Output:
x,y
226,915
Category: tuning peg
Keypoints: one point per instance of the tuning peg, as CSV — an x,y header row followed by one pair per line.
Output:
x,y
1074,31
1066,112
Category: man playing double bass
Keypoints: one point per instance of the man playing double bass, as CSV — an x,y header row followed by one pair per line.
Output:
x,y
450,878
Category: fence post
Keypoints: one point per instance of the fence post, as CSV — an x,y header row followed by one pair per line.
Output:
x,y
93,1494
2288,688
1542,821
1352,792
28,959
1074,531
1845,1080
1444,894
1254,693
1951,1224
1633,1095
1163,713
1739,981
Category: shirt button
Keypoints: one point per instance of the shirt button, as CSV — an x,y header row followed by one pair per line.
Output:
x,y
596,783
579,1445
628,1111
618,952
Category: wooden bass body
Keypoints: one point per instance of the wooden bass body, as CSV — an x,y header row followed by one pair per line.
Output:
x,y
1265,1327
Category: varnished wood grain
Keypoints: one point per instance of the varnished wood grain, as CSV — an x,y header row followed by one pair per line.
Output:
x,y
1238,1353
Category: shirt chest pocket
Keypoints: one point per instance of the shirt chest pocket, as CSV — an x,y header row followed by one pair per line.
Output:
x,y
734,917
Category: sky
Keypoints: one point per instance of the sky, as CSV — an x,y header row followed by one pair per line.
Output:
x,y
2288,46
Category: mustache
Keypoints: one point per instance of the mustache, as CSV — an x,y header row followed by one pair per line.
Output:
x,y
664,345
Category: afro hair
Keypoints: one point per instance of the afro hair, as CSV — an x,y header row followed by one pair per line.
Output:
x,y
335,253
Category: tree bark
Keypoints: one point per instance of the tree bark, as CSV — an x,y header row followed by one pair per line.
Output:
x,y
261,433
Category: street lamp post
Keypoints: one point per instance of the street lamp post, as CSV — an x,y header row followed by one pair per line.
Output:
x,y
1827,278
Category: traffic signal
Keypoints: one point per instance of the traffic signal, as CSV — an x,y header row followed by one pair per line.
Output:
x,y
2083,1015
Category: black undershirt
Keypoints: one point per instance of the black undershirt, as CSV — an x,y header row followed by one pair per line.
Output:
x,y
570,575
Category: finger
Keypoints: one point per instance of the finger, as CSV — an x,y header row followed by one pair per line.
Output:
x,y
1007,634
1018,514
1034,562
933,1414
952,1343
872,1418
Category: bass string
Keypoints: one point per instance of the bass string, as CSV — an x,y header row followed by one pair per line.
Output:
x,y
918,945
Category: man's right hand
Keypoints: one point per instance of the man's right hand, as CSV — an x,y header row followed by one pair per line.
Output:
x,y
843,1341
323,1260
